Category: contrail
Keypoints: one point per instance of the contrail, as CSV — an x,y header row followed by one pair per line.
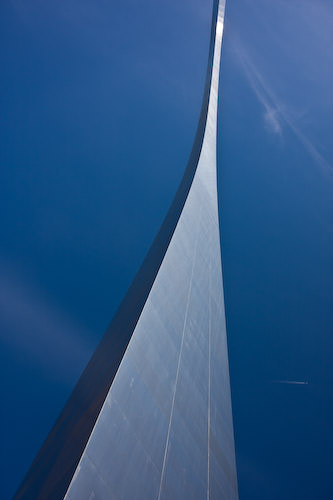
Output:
x,y
291,382
275,110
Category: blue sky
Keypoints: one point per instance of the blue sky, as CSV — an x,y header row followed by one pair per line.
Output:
x,y
99,107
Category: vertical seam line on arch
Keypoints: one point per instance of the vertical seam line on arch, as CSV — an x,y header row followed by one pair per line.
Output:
x,y
179,361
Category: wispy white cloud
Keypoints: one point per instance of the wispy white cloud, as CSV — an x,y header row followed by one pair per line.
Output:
x,y
272,112
276,113
272,119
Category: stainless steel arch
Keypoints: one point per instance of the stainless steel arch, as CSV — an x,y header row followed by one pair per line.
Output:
x,y
151,415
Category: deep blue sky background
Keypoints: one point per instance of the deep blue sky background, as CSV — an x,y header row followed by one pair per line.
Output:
x,y
99,104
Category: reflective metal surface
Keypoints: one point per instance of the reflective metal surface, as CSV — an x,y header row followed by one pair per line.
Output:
x,y
165,430
150,417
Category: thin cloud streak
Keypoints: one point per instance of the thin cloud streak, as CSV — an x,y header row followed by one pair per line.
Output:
x,y
272,113
276,113
290,382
